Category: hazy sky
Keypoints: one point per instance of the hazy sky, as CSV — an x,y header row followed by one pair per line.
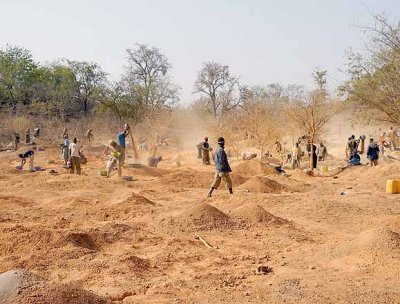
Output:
x,y
262,41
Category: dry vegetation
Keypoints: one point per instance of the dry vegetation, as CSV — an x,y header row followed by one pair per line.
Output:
x,y
280,238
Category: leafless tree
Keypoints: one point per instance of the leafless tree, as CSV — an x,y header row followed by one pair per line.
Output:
x,y
215,81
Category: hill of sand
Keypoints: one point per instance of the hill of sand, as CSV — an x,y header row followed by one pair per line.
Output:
x,y
255,214
253,167
203,217
22,287
193,179
380,242
263,185
132,242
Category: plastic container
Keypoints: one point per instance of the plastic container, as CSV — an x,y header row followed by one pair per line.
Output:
x,y
392,186
324,169
116,154
103,173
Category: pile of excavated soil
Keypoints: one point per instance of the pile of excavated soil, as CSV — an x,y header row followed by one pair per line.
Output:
x,y
22,287
291,185
193,179
300,175
203,217
262,185
254,167
372,243
255,214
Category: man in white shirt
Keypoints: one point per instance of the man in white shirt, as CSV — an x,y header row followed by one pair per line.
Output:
x,y
75,157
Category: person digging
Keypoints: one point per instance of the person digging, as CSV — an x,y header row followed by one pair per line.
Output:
x,y
222,168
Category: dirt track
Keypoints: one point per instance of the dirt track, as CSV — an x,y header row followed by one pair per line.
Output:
x,y
135,242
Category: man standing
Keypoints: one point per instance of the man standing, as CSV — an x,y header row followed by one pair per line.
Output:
x,y
75,157
373,152
16,140
296,156
205,151
222,168
392,134
28,136
121,141
89,136
322,152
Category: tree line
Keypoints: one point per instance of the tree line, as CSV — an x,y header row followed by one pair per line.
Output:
x,y
67,88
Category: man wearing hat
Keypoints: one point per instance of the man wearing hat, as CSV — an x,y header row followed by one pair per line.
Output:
x,y
222,168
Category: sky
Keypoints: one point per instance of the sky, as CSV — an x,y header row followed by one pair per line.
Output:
x,y
262,41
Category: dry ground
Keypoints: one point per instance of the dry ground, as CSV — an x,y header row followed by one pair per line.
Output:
x,y
135,242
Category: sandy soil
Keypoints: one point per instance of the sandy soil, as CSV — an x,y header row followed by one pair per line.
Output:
x,y
330,239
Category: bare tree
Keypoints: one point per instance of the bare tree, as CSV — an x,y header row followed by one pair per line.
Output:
x,y
147,76
215,81
260,120
374,75
312,115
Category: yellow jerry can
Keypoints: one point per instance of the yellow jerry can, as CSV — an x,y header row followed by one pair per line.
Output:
x,y
392,186
324,169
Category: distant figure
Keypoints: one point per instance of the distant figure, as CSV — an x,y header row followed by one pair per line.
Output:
x,y
314,156
28,154
352,147
296,156
382,143
153,161
248,155
205,151
278,147
36,132
222,168
373,152
28,136
122,142
322,152
65,132
89,136
393,136
65,150
115,152
17,140
75,157
144,146
355,160
199,149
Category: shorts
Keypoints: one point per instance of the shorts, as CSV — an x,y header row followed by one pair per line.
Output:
x,y
217,180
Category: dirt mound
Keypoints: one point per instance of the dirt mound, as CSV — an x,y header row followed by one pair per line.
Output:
x,y
263,185
380,240
254,167
255,214
203,217
22,287
372,243
300,175
193,179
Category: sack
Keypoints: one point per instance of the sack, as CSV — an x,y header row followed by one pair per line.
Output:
x,y
83,158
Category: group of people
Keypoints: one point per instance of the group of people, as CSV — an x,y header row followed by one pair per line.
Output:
x,y
315,154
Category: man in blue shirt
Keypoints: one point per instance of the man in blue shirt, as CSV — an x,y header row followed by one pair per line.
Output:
x,y
121,141
222,168
373,152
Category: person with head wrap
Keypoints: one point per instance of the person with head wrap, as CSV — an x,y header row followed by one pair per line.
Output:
x,y
115,152
205,151
222,168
